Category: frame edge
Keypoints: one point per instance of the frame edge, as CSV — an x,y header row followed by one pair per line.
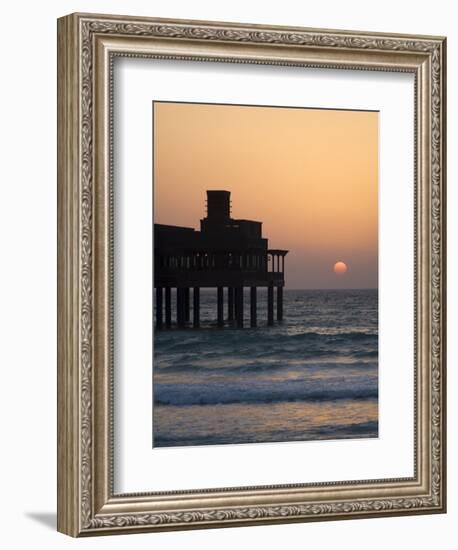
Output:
x,y
68,402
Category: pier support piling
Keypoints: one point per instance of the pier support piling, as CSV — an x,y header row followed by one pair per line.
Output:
x,y
239,306
187,308
253,306
196,307
270,305
279,303
168,307
181,317
220,306
230,304
159,313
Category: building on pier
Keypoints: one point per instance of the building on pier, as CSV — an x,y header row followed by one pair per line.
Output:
x,y
227,255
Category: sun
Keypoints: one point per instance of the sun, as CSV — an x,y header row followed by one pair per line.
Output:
x,y
340,268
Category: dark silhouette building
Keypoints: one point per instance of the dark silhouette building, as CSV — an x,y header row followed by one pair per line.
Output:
x,y
225,253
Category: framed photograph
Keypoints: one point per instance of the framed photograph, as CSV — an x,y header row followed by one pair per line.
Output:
x,y
251,284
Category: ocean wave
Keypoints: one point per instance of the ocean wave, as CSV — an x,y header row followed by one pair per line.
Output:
x,y
197,394
254,367
336,333
357,430
211,333
365,354
259,343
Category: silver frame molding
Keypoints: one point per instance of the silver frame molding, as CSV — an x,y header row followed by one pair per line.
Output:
x,y
87,45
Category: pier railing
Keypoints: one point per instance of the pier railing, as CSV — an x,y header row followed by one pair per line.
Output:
x,y
183,262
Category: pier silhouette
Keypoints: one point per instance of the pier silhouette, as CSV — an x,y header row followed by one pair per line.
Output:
x,y
227,255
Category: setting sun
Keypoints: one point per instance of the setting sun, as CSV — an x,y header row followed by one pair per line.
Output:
x,y
340,268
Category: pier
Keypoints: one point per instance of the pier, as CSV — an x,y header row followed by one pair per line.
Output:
x,y
227,255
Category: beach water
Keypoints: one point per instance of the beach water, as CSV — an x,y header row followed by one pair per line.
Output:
x,y
312,377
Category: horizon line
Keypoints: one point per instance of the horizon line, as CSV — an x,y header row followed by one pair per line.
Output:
x,y
285,288
331,288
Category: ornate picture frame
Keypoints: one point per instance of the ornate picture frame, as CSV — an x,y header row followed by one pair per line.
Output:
x,y
87,46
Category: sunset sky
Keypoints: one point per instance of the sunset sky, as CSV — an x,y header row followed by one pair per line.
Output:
x,y
310,175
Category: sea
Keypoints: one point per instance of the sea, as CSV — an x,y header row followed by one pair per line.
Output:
x,y
312,377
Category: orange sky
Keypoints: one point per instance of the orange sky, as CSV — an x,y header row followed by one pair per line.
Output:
x,y
310,175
